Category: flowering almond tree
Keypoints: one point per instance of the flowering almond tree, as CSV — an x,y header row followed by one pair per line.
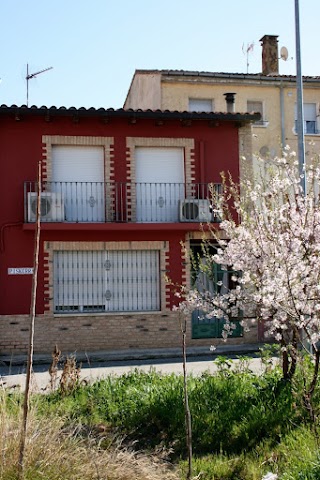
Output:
x,y
273,250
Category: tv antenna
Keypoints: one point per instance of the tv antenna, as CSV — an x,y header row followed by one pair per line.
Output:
x,y
246,51
33,75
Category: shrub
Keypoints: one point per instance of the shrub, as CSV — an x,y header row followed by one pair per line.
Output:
x,y
231,411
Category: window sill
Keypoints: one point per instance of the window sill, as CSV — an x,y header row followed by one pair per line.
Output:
x,y
106,314
261,125
309,134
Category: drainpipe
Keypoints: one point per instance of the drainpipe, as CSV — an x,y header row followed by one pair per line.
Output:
x,y
202,163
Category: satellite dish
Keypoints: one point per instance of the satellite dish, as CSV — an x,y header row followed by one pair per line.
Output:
x,y
284,53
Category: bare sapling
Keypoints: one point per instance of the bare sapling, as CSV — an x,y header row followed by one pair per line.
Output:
x,y
31,333
183,326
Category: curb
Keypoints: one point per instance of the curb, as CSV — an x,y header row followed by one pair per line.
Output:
x,y
139,354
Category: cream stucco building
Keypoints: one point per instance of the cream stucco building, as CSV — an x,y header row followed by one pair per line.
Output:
x,y
269,93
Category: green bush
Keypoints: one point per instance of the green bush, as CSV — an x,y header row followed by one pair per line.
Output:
x,y
231,411
232,414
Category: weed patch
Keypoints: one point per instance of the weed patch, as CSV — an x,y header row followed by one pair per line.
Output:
x,y
231,411
244,425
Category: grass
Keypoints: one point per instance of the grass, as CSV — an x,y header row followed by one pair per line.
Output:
x,y
56,451
229,410
294,457
243,427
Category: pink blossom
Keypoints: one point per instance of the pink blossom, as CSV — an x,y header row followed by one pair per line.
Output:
x,y
274,253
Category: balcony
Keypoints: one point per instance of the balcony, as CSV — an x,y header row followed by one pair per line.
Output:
x,y
100,202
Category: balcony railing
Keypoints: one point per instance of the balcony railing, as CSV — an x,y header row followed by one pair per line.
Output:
x,y
122,202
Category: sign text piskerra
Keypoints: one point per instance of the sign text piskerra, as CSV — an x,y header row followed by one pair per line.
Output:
x,y
20,271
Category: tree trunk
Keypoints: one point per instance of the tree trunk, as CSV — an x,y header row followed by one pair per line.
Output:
x,y
186,400
31,335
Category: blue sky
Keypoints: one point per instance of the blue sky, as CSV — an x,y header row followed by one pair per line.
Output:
x,y
94,46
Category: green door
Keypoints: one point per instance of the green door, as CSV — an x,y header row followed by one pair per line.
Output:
x,y
203,327
215,280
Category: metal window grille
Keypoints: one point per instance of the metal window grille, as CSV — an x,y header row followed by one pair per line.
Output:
x,y
106,281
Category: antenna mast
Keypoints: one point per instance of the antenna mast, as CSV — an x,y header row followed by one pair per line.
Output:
x,y
246,51
33,75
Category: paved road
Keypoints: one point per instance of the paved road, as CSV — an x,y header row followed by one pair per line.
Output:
x,y
14,377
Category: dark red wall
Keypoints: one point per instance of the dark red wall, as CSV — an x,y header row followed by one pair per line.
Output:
x,y
216,150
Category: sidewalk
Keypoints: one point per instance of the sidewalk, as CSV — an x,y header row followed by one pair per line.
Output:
x,y
98,365
138,354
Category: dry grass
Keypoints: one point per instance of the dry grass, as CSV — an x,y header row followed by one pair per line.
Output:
x,y
52,453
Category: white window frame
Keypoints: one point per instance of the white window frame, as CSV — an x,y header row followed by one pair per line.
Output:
x,y
260,108
311,124
160,177
78,173
208,104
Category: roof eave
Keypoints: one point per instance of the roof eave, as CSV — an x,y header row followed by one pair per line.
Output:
x,y
130,113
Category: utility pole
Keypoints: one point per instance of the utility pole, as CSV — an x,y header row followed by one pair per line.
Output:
x,y
300,114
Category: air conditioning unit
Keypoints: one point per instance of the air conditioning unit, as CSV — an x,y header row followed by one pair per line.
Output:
x,y
195,211
51,207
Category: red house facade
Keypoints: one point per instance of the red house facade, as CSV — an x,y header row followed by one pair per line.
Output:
x,y
121,191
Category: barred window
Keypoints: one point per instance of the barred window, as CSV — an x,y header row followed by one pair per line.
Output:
x,y
106,281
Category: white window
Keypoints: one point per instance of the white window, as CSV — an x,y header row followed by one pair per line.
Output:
x,y
310,118
106,281
201,105
160,183
256,107
78,174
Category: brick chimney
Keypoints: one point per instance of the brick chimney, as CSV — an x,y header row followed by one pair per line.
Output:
x,y
270,57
